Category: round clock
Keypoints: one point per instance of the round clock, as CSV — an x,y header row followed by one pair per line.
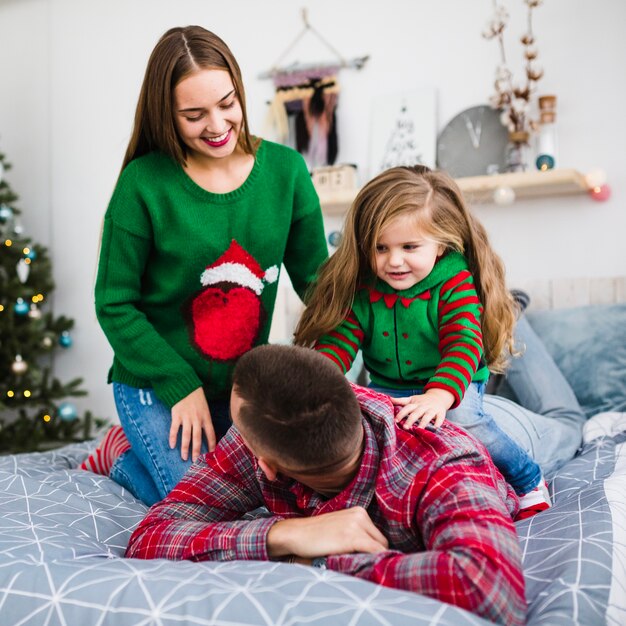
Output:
x,y
473,143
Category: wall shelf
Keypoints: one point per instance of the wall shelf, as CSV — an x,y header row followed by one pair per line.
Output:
x,y
535,184
479,189
337,202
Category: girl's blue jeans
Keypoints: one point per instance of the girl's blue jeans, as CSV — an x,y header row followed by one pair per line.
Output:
x,y
536,405
151,469
545,423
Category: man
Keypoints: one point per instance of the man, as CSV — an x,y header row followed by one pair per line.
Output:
x,y
420,510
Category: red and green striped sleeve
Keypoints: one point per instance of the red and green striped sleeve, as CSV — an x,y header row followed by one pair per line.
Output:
x,y
460,336
342,344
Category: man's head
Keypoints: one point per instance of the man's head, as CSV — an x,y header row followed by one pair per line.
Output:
x,y
297,414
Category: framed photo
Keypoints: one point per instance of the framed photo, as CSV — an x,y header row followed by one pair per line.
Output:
x,y
404,130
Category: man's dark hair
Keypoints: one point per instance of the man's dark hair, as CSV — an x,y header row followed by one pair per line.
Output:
x,y
297,405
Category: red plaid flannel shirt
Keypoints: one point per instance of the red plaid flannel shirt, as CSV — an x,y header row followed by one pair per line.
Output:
x,y
435,495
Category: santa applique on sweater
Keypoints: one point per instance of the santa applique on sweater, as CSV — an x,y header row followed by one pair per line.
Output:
x,y
227,315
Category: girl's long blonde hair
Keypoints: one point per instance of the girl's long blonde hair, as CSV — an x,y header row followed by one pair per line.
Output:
x,y
441,214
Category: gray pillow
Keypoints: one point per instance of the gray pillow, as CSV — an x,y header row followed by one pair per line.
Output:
x,y
589,345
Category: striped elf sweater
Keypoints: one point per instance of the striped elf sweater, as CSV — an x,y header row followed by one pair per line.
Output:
x,y
425,337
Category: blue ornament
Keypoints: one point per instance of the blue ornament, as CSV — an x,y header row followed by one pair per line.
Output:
x,y
334,238
21,307
67,412
6,213
65,340
32,255
544,162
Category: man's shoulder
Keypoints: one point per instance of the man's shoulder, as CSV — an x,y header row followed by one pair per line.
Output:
x,y
433,461
375,406
229,456
448,439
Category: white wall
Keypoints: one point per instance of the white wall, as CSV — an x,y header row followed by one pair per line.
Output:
x,y
70,72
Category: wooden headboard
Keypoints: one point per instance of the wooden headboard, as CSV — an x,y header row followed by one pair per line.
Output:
x,y
563,293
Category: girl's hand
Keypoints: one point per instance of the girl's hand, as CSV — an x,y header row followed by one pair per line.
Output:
x,y
193,416
427,407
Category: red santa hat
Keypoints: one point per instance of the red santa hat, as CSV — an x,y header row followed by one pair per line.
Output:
x,y
239,267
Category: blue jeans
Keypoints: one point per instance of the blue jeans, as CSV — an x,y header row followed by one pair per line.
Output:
x,y
518,469
546,419
151,469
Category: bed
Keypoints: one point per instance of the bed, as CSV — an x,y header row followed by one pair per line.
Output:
x,y
63,532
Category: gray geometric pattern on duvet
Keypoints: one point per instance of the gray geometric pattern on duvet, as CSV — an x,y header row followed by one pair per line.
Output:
x,y
568,549
62,533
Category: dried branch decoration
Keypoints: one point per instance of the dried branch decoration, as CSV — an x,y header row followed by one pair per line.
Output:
x,y
514,99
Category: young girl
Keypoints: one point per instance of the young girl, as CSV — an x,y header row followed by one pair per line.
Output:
x,y
416,286
201,219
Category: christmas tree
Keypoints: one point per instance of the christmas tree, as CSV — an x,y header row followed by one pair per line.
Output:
x,y
34,411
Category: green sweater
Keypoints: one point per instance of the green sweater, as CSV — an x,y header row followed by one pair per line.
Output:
x,y
187,279
424,337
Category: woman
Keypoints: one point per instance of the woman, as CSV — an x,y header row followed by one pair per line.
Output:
x,y
201,219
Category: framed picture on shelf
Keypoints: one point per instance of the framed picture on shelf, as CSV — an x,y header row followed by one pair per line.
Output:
x,y
403,130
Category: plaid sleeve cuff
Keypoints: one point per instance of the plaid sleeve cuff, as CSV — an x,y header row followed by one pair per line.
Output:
x,y
241,540
251,542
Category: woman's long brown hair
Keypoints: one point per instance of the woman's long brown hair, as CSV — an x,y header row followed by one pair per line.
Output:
x,y
180,52
441,214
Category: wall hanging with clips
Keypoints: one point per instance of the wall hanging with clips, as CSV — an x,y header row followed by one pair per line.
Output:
x,y
302,113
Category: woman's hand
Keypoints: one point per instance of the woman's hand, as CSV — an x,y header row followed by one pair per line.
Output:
x,y
427,407
193,416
